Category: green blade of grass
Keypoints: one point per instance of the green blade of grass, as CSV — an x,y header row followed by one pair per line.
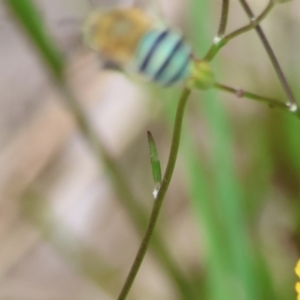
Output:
x,y
30,19
236,255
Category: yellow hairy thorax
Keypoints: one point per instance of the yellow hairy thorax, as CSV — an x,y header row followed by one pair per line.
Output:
x,y
116,34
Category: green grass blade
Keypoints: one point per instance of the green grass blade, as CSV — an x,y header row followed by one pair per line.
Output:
x,y
32,23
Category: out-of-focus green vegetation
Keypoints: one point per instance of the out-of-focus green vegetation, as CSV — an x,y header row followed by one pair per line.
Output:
x,y
34,26
226,201
228,205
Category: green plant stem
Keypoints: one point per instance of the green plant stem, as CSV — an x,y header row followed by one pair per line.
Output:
x,y
160,196
272,56
253,22
125,193
273,103
221,41
224,18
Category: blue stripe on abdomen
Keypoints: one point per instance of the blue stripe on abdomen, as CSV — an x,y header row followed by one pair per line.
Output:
x,y
180,67
159,74
163,57
151,44
182,72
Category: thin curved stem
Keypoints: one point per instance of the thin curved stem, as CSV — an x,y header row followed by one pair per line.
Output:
x,y
254,22
220,41
224,18
160,196
273,103
125,193
244,94
272,56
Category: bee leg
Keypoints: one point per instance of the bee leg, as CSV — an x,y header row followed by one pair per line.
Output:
x,y
109,65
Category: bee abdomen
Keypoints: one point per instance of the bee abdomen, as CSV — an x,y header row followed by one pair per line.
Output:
x,y
163,56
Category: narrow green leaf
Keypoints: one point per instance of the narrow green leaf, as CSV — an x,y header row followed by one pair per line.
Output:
x,y
154,160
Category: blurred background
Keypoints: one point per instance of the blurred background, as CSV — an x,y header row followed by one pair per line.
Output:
x,y
73,210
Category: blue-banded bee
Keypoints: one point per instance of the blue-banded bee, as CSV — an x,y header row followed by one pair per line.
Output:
x,y
132,40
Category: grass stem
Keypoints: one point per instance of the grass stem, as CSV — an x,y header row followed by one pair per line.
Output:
x,y
282,78
160,196
221,40
224,18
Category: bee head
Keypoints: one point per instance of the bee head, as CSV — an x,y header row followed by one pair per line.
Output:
x,y
116,33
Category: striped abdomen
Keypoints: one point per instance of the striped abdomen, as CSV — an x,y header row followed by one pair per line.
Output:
x,y
163,56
